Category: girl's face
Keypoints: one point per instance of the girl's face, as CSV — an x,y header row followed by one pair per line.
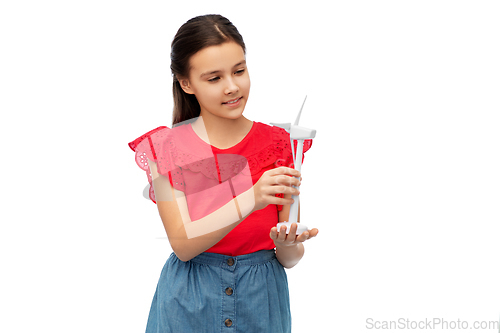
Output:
x,y
219,79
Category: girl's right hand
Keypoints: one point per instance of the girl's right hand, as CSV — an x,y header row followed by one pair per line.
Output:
x,y
275,181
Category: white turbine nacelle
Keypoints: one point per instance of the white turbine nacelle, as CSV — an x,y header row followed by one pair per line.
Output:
x,y
301,133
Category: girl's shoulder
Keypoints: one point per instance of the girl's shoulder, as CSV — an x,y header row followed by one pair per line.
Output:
x,y
269,135
280,140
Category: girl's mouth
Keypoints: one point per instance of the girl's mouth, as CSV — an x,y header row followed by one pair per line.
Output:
x,y
233,102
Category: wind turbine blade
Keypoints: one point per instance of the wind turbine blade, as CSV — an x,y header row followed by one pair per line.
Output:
x,y
298,117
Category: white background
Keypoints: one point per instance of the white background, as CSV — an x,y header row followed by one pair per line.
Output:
x,y
402,180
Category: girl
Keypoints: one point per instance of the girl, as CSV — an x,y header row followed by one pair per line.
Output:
x,y
221,183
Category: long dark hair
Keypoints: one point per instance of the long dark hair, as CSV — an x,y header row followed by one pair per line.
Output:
x,y
194,35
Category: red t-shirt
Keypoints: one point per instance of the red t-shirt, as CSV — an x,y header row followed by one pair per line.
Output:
x,y
194,166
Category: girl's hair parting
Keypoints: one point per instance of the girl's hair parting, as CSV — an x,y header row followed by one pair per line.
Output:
x,y
194,35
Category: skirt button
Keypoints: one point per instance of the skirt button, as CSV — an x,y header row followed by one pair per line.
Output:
x,y
228,322
230,261
229,291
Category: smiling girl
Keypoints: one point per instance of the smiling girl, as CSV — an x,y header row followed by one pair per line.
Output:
x,y
221,183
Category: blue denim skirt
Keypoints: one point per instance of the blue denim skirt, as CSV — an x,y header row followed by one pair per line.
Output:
x,y
218,293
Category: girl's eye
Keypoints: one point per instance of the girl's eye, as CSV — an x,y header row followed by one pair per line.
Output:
x,y
217,78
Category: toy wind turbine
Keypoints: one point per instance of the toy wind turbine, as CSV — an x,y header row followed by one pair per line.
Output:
x,y
300,134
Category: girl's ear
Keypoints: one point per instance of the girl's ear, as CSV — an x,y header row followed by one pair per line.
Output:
x,y
185,85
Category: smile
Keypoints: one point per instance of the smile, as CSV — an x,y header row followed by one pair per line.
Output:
x,y
233,101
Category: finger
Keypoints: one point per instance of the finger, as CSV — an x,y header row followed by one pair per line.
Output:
x,y
308,234
282,233
313,233
279,187
273,200
303,236
286,180
287,189
293,233
285,171
282,189
274,233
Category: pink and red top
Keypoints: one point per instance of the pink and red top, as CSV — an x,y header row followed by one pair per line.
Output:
x,y
210,177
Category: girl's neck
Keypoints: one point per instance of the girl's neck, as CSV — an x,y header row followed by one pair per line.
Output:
x,y
222,132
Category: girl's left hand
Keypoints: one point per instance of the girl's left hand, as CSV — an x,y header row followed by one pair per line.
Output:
x,y
282,239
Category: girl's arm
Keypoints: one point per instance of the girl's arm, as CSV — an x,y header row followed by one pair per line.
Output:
x,y
190,238
289,248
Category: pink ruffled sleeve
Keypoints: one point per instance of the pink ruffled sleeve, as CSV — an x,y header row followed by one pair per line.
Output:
x,y
154,145
283,151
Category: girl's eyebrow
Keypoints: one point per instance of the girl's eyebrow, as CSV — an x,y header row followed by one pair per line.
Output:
x,y
243,62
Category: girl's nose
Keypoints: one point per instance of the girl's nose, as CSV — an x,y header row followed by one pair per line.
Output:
x,y
231,88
